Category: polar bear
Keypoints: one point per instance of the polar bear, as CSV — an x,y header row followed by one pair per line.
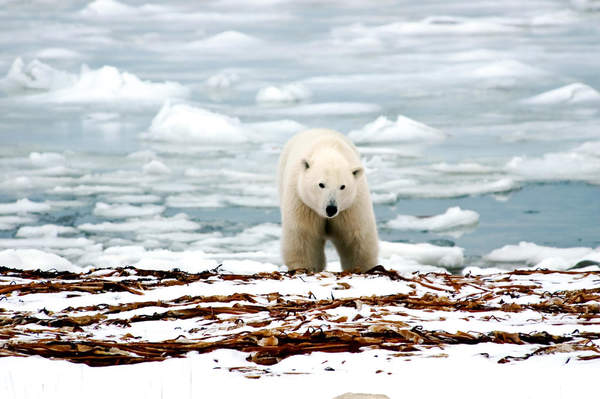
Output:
x,y
324,195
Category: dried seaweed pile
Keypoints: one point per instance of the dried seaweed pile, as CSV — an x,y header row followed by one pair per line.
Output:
x,y
127,315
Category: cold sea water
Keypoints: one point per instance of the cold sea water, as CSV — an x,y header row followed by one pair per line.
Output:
x,y
147,133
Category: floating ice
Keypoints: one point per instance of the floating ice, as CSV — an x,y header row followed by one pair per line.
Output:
x,y
576,165
35,259
126,211
47,230
463,168
290,93
382,130
222,80
424,254
181,123
23,206
530,254
11,222
104,85
574,93
195,201
134,199
224,42
156,167
506,69
586,5
56,53
334,108
179,222
408,188
46,159
185,124
453,218
115,9
35,76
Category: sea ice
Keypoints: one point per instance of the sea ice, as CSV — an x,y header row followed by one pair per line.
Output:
x,y
119,211
289,93
156,167
47,230
181,123
382,130
23,206
453,218
222,80
574,93
104,85
424,253
576,165
179,222
532,254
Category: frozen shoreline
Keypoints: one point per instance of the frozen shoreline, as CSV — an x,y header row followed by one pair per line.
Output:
x,y
515,326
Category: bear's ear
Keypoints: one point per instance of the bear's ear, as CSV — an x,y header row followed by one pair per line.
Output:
x,y
305,164
357,172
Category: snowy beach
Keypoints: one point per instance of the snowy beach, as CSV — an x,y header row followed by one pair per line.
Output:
x,y
147,135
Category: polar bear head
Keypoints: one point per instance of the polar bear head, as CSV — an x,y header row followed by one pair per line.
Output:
x,y
328,184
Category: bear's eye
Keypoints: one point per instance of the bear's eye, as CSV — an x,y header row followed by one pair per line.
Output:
x,y
342,187
321,185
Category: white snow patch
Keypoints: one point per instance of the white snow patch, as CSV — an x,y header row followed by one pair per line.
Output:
x,y
289,93
453,218
382,130
35,259
574,93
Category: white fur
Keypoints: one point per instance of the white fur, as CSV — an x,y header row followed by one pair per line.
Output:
x,y
327,158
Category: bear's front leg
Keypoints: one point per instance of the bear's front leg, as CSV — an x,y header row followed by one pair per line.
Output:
x,y
302,249
355,240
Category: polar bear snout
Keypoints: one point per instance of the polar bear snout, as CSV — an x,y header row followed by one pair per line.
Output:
x,y
331,210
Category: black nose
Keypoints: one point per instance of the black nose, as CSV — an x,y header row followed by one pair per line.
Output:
x,y
331,210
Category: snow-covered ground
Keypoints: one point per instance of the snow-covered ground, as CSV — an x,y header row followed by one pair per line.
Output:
x,y
360,333
147,134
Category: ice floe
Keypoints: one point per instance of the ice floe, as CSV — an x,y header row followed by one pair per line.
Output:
x,y
118,211
22,206
182,123
574,93
403,129
156,167
222,80
179,222
401,255
104,85
289,93
542,256
47,230
580,164
452,219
